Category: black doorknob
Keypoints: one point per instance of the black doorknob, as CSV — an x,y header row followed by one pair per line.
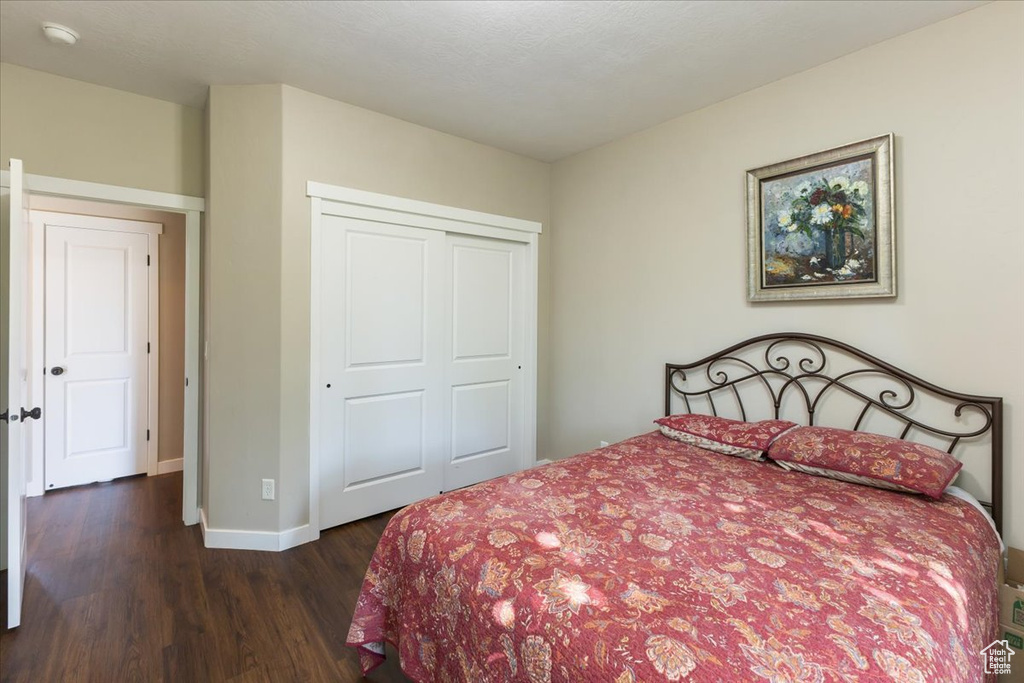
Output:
x,y
57,371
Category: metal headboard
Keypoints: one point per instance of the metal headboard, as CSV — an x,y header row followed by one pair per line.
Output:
x,y
802,365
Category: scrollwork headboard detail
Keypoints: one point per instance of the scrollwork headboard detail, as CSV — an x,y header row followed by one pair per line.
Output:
x,y
795,376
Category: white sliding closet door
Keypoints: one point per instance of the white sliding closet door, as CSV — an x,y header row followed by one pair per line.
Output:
x,y
382,294
484,356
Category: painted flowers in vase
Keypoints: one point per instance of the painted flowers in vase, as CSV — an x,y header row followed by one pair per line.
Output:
x,y
834,209
821,226
831,209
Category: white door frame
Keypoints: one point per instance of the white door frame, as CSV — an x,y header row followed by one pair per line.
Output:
x,y
192,208
333,200
37,235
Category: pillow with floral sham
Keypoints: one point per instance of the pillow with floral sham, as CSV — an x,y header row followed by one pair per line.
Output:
x,y
870,459
747,440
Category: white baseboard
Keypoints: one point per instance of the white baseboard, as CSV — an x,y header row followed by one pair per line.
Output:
x,y
168,466
289,538
236,539
543,461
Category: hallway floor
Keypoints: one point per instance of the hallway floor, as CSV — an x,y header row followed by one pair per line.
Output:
x,y
118,589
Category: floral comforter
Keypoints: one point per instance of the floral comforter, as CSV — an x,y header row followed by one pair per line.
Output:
x,y
653,560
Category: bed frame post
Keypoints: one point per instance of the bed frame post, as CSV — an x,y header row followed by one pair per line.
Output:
x,y
997,463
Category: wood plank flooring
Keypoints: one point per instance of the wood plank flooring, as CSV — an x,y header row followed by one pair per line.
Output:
x,y
118,589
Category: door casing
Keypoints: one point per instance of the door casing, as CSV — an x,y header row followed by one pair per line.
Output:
x,y
192,208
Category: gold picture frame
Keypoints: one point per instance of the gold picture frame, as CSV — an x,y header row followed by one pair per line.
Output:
x,y
823,226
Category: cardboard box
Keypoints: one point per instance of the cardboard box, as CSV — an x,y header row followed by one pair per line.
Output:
x,y
1011,613
1015,566
1014,637
1011,605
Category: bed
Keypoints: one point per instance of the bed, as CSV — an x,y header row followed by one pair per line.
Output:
x,y
653,559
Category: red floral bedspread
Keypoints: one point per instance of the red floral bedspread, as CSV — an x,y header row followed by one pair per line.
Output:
x,y
653,560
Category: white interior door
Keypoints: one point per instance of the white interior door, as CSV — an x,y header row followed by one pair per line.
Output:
x,y
380,367
14,388
96,357
485,348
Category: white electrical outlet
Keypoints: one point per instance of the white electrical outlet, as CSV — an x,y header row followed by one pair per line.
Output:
x,y
268,489
604,444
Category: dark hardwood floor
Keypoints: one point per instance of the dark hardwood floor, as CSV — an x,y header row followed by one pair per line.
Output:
x,y
118,589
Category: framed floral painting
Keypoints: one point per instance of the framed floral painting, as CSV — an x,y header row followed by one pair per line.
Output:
x,y
823,226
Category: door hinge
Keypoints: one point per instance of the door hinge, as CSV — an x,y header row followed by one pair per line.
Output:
x,y
147,347
147,435
147,259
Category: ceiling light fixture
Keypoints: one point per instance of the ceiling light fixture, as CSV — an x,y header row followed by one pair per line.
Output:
x,y
62,35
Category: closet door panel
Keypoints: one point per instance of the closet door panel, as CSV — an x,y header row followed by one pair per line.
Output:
x,y
481,414
387,299
370,428
485,344
381,366
481,298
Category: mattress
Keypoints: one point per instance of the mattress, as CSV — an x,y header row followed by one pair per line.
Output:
x,y
654,560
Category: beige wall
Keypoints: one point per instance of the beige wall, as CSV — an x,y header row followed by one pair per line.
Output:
x,y
172,308
256,244
204,327
242,267
648,253
336,143
642,256
266,142
70,129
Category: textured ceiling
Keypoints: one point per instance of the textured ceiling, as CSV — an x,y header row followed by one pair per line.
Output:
x,y
544,79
